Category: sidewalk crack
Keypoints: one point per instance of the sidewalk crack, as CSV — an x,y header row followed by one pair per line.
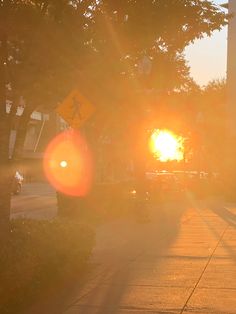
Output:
x,y
204,269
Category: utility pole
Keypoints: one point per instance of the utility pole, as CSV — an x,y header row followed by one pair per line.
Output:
x,y
230,168
231,68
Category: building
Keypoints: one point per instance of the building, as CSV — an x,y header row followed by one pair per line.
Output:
x,y
231,66
41,129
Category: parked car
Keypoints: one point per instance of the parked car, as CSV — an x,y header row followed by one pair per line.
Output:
x,y
17,183
160,186
165,186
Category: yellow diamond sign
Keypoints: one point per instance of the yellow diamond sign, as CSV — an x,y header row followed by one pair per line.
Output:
x,y
76,109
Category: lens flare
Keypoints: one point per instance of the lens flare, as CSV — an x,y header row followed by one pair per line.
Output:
x,y
166,146
63,164
68,164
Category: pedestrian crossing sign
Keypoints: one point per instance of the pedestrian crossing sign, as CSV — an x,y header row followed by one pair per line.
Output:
x,y
76,109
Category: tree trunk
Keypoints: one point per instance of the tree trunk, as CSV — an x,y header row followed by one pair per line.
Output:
x,y
5,177
5,171
21,134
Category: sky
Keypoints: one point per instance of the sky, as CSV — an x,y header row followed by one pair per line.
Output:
x,y
207,57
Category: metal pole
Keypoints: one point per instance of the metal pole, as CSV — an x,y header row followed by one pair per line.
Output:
x,y
231,68
40,133
229,167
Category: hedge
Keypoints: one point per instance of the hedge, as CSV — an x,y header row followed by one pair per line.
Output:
x,y
38,253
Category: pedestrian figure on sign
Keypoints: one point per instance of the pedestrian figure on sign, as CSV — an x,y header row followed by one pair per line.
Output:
x,y
76,107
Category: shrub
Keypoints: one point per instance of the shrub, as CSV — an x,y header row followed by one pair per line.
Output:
x,y
105,201
38,253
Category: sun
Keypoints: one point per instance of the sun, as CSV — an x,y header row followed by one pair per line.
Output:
x,y
166,146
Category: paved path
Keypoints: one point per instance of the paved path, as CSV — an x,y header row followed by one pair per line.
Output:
x,y
182,262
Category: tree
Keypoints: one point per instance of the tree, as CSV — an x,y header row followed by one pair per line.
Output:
x,y
126,32
42,49
214,123
46,45
46,64
204,118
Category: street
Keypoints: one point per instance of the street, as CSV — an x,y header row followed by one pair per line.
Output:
x,y
183,261
37,200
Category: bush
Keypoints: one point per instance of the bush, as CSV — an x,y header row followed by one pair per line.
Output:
x,y
37,254
105,201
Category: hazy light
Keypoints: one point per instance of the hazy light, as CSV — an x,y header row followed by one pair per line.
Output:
x,y
166,146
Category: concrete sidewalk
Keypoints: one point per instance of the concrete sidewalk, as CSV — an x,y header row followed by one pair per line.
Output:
x,y
182,262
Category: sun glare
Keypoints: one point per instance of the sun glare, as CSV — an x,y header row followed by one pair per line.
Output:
x,y
166,146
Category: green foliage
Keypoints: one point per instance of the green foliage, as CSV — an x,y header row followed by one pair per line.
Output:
x,y
125,31
51,43
38,254
205,116
54,46
215,123
46,48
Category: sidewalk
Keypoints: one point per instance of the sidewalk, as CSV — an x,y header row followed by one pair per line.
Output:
x,y
182,262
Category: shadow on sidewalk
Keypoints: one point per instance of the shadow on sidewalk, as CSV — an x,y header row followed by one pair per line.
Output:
x,y
225,214
221,211
146,244
120,245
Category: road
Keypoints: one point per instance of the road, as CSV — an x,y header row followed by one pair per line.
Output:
x,y
37,200
182,261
